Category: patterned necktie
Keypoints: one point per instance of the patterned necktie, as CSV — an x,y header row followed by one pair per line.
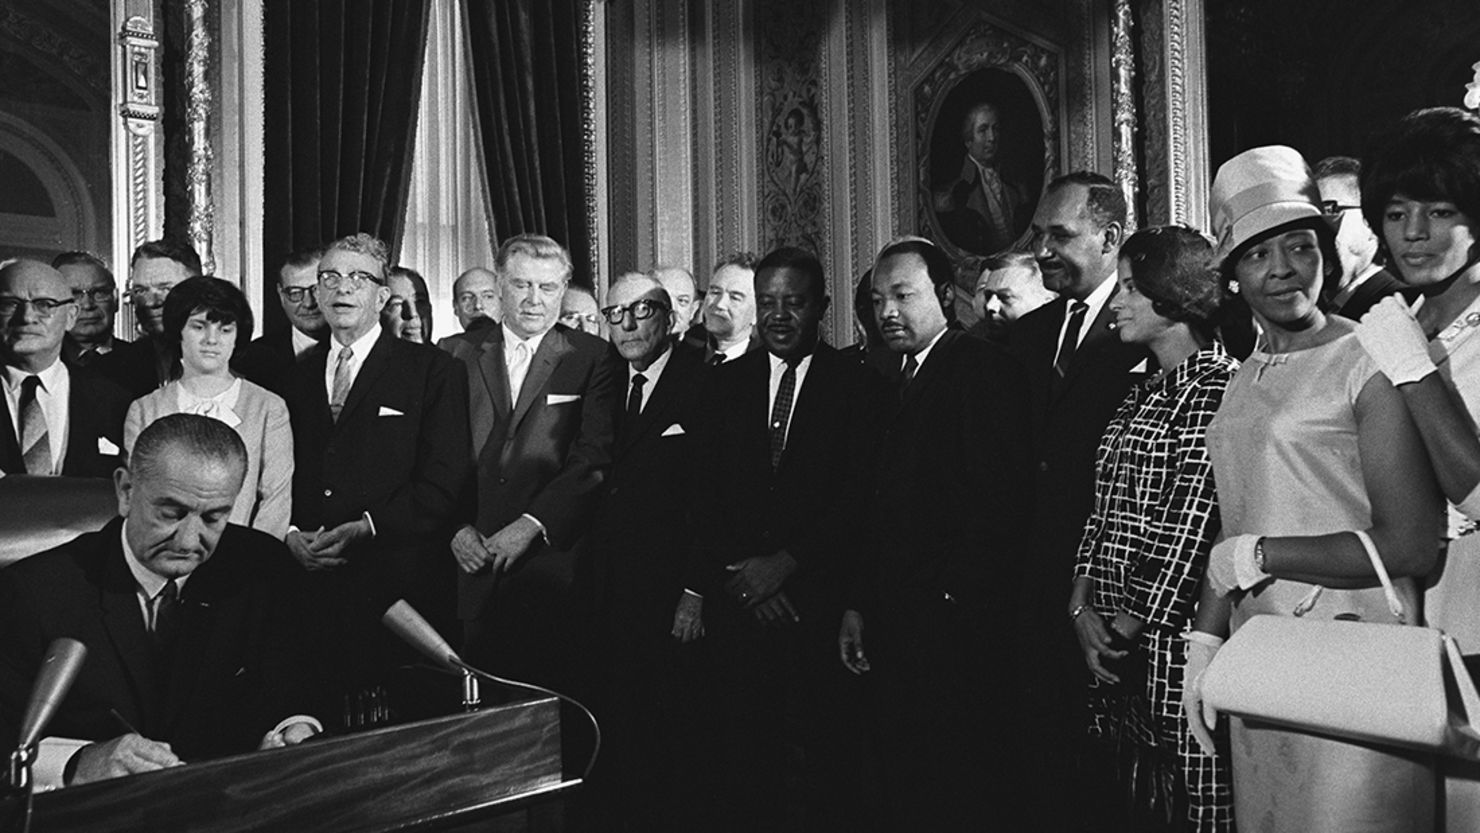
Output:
x,y
341,382
634,399
907,375
1071,339
35,442
781,412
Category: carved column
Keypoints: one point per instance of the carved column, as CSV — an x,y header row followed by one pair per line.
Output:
x,y
1124,96
138,153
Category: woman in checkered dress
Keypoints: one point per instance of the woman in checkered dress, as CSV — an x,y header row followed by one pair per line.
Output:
x,y
1145,545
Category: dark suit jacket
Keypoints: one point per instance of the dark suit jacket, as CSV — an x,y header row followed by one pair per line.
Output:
x,y
640,531
95,411
546,454
1380,285
399,450
806,506
138,366
236,671
267,360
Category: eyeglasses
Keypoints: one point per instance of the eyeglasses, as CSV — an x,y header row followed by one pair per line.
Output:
x,y
641,310
354,280
295,294
1333,208
45,307
148,292
97,294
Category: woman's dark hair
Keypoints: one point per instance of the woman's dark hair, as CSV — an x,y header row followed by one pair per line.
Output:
x,y
1432,155
1173,266
220,300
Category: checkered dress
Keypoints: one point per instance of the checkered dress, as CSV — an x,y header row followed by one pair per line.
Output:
x,y
1145,547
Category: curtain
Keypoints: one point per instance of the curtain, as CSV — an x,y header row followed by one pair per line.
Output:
x,y
342,81
446,227
526,65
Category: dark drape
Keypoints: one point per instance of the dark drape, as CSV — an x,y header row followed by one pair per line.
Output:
x,y
526,60
342,82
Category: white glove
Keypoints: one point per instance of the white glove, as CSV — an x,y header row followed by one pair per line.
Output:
x,y
1393,339
1231,564
1200,717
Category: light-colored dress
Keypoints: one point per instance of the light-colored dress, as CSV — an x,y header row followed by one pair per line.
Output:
x,y
261,418
1286,462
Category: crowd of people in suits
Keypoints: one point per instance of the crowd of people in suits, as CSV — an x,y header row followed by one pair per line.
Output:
x,y
801,587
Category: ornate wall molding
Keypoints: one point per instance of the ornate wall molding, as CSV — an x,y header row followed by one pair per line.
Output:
x,y
237,146
589,140
199,102
1123,60
137,148
1187,112
89,76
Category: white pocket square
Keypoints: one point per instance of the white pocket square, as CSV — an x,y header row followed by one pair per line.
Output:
x,y
1143,367
673,430
385,411
106,448
562,398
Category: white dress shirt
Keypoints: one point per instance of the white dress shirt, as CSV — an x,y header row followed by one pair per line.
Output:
x,y
778,369
651,375
302,342
1095,302
360,348
53,394
517,372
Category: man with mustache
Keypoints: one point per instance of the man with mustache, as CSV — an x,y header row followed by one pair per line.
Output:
x,y
1078,373
727,327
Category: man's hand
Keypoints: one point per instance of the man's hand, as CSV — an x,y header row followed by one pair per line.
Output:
x,y
301,545
688,617
850,642
1094,641
290,735
757,579
509,544
333,542
776,611
468,549
124,755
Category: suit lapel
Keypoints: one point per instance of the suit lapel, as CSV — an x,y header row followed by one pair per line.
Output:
x,y
930,369
82,437
1095,338
495,373
198,611
10,445
314,365
370,370
806,415
124,619
552,348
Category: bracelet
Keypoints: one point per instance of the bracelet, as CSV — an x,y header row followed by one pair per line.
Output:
x,y
1074,614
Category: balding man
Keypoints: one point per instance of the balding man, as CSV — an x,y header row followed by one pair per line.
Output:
x,y
57,420
1009,288
97,305
683,290
475,299
194,649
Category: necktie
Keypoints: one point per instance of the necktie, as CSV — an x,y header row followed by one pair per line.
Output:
x,y
341,382
166,618
907,375
781,412
518,368
634,399
1071,339
717,359
35,444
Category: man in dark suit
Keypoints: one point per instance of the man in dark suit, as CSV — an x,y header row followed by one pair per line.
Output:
x,y
1363,281
1079,372
942,532
54,419
639,537
726,328
156,266
268,358
783,439
190,622
97,305
380,449
542,401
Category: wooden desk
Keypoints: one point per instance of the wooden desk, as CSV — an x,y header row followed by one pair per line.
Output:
x,y
430,775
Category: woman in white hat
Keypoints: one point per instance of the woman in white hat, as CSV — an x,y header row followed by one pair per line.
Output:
x,y
1315,457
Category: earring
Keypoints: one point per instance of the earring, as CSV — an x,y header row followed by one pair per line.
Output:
x,y
1233,288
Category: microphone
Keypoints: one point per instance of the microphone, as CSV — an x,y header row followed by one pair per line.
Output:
x,y
58,671
405,622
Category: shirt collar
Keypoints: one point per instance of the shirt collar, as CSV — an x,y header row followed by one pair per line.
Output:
x,y
1096,299
533,342
738,349
302,342
777,362
148,581
654,370
361,346
925,351
51,377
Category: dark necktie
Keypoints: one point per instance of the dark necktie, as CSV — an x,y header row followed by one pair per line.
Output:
x,y
35,442
781,412
1071,339
166,619
634,399
907,375
717,359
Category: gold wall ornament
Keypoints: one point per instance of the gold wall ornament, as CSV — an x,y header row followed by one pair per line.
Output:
x,y
137,149
199,103
1122,61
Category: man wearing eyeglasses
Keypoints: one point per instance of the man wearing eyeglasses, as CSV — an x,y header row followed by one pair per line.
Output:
x,y
97,304
1363,281
154,269
380,451
267,359
542,398
637,545
57,420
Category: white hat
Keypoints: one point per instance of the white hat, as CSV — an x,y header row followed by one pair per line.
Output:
x,y
1258,190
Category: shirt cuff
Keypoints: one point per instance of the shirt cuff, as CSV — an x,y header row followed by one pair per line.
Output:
x,y
371,521
545,534
688,592
52,754
298,718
